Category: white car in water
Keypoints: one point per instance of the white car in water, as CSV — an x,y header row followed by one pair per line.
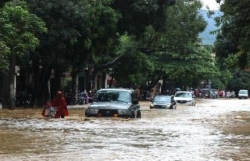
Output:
x,y
185,98
243,93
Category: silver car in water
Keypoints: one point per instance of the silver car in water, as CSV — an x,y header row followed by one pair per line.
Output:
x,y
185,98
115,102
163,101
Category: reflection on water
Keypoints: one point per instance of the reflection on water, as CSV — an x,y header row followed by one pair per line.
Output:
x,y
212,130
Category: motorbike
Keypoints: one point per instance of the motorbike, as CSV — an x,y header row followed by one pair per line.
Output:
x,y
79,100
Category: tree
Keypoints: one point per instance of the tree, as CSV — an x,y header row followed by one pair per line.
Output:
x,y
66,22
18,34
134,17
175,51
233,39
137,15
80,33
231,46
2,2
240,80
171,50
133,68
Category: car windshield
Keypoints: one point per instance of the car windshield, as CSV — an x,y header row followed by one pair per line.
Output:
x,y
162,99
187,95
107,96
243,92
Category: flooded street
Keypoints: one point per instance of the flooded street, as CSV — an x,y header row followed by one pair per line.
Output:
x,y
216,129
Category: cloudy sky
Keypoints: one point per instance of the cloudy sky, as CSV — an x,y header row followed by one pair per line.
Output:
x,y
211,3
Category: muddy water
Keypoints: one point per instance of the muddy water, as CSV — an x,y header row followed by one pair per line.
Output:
x,y
213,130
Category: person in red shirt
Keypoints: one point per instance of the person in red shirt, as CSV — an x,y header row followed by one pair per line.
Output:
x,y
57,107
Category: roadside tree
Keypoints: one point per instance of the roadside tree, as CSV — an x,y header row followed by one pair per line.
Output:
x,y
174,50
19,29
75,28
232,44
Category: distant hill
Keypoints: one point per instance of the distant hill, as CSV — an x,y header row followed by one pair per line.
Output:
x,y
207,38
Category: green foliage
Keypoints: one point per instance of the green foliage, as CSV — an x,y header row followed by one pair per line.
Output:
x,y
79,32
176,50
240,80
172,51
18,30
221,80
2,2
104,45
132,69
217,84
234,36
184,23
5,51
139,40
232,44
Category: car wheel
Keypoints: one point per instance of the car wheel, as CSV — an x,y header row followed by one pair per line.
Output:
x,y
86,114
137,115
133,114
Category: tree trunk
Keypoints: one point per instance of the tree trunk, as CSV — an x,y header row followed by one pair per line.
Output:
x,y
74,74
111,81
41,90
12,82
93,74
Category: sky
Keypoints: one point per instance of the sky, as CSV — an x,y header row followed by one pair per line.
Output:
x,y
211,3
207,38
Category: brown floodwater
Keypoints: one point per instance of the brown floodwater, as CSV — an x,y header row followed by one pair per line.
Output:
x,y
213,130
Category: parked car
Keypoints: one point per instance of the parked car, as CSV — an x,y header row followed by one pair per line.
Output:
x,y
243,93
209,93
185,98
163,101
115,102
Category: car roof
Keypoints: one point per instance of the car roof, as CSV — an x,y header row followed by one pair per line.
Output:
x,y
243,90
116,89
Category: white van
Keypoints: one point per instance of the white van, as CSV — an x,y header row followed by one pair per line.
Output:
x,y
243,93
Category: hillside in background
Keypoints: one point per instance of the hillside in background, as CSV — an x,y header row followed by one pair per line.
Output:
x,y
206,37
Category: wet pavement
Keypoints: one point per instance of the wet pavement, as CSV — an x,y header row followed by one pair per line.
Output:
x,y
213,130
